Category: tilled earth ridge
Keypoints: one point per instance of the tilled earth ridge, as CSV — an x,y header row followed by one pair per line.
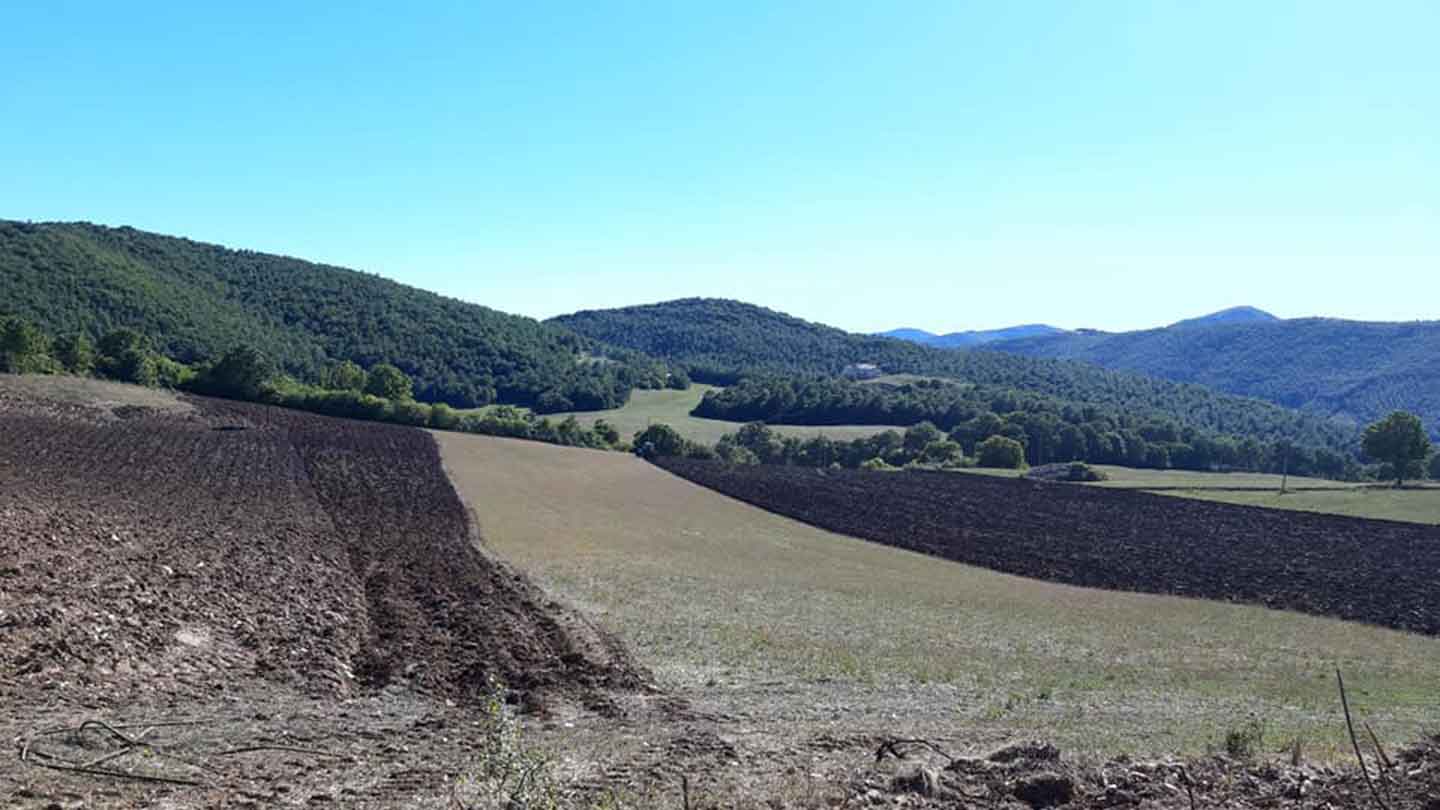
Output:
x,y
178,554
1376,571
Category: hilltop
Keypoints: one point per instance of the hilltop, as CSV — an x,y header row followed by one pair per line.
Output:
x,y
960,340
1353,371
1231,315
721,341
196,300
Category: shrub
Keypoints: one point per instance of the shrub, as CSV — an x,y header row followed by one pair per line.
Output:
x,y
505,773
658,441
388,382
76,353
443,417
1246,741
1001,452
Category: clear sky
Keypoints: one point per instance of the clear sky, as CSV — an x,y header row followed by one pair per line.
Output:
x,y
942,165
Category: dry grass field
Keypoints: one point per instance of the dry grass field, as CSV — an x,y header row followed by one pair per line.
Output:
x,y
786,630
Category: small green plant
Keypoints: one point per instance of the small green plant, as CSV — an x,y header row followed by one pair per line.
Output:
x,y
1246,741
506,774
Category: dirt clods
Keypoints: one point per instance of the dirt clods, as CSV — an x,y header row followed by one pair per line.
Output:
x,y
1043,790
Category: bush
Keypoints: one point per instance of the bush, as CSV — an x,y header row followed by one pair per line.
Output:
x,y
388,382
134,365
76,353
659,441
1246,741
24,349
410,412
239,374
1001,452
443,417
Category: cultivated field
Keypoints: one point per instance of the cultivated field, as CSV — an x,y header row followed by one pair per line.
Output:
x,y
795,635
1364,570
302,589
673,408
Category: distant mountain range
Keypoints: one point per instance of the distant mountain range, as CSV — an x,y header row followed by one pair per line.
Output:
x,y
964,340
1231,315
1354,371
980,337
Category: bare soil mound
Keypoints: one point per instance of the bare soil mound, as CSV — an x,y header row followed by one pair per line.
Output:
x,y
174,553
1036,776
1374,571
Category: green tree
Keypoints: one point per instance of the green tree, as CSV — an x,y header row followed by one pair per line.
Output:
x,y
388,382
240,373
1002,452
758,438
23,348
606,432
76,354
1400,441
443,417
919,436
945,453
135,366
659,440
117,343
347,376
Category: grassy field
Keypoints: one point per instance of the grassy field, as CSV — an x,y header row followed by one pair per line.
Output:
x,y
97,393
1416,504
782,627
673,408
1421,505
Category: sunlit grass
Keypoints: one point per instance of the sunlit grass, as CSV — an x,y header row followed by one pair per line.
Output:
x,y
766,616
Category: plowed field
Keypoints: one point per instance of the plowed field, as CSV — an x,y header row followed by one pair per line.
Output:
x,y
270,578
242,540
1373,571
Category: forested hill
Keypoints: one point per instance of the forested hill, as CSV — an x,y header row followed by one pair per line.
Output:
x,y
1351,370
197,300
721,341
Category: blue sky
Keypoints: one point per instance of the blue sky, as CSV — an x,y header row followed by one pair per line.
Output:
x,y
941,165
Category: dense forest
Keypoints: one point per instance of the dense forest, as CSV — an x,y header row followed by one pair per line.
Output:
x,y
723,341
1049,429
193,301
382,393
1353,371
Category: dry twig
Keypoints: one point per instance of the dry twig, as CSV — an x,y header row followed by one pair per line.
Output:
x,y
1350,724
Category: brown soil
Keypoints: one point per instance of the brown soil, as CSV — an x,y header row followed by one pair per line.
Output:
x,y
167,559
1375,571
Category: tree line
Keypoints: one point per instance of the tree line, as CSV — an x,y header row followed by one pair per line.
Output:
x,y
381,393
1396,448
1048,429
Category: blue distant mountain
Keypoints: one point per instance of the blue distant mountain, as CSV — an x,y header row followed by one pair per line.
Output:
x,y
1231,315
961,340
